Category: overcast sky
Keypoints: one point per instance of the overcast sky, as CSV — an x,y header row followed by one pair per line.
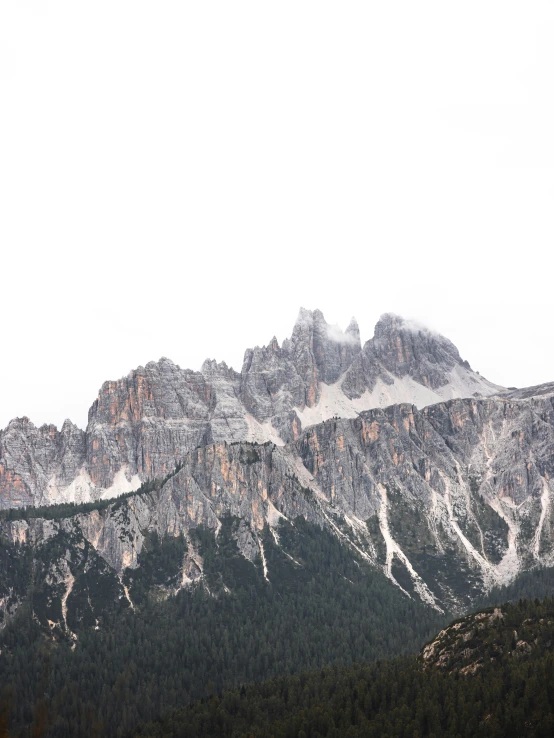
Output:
x,y
178,178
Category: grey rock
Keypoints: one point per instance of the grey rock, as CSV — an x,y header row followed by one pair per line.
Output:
x,y
36,463
141,425
401,348
449,500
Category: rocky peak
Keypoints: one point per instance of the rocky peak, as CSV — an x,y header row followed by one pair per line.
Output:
x,y
404,347
417,362
275,380
353,330
212,369
321,350
35,462
494,635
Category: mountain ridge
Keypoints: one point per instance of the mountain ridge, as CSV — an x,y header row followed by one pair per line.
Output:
x,y
140,424
448,501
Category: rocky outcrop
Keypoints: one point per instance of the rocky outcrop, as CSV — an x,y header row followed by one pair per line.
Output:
x,y
142,424
494,635
537,390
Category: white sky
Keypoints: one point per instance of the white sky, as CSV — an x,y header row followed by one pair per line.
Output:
x,y
178,178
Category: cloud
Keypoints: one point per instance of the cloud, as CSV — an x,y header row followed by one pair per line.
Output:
x,y
336,334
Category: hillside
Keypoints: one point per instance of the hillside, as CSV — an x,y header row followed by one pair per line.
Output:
x,y
433,696
121,663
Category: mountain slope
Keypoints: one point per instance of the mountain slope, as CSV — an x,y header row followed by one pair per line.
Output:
x,y
142,424
448,501
114,663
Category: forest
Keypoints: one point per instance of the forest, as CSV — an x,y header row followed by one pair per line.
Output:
x,y
512,694
323,608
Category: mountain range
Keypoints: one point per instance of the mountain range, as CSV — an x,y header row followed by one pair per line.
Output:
x,y
330,503
140,425
426,470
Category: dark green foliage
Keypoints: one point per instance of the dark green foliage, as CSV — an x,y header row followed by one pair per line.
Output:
x,y
495,530
444,571
402,575
325,607
377,539
158,567
16,563
512,696
408,523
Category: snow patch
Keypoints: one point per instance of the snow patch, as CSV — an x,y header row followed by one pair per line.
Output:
x,y
80,490
127,595
69,582
465,383
509,566
264,562
545,504
273,516
489,572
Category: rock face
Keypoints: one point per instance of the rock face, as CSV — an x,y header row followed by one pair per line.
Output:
x,y
36,463
142,424
401,349
448,501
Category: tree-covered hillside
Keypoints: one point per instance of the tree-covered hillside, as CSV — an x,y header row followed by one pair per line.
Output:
x,y
510,694
322,605
120,662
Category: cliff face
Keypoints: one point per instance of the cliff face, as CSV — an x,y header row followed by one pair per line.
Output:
x,y
142,424
37,463
448,501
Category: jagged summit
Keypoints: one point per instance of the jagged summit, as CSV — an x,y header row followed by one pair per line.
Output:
x,y
140,424
402,348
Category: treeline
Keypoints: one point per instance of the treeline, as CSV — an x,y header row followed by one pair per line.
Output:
x,y
69,509
395,699
323,608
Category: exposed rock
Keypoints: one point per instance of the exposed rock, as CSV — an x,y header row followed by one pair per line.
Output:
x,y
400,348
142,424
537,390
38,464
449,500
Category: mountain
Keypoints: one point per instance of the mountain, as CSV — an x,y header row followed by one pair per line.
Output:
x,y
215,528
142,424
448,501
